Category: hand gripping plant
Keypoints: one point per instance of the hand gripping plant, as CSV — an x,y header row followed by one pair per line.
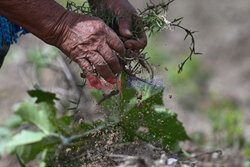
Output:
x,y
151,20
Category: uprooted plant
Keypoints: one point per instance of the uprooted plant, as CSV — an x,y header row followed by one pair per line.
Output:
x,y
152,20
62,142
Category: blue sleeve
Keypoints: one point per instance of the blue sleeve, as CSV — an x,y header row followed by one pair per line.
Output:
x,y
9,31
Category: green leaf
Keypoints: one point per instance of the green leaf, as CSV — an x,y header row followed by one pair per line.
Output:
x,y
4,132
5,135
48,157
161,126
48,107
23,138
43,96
139,117
62,125
152,124
14,122
247,151
128,95
127,92
29,112
108,104
129,99
66,120
43,163
246,164
3,143
20,161
29,144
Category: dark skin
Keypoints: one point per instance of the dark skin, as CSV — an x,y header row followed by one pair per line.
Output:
x,y
84,39
125,11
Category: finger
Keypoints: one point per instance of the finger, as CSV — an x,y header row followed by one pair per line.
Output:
x,y
125,27
137,44
88,72
110,58
115,43
86,67
101,65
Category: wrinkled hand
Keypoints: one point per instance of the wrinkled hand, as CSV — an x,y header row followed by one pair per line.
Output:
x,y
88,40
124,10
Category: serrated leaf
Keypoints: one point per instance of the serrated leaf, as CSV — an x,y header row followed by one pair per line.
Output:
x,y
29,144
43,96
162,126
42,119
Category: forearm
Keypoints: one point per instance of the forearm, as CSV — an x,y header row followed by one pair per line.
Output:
x,y
43,18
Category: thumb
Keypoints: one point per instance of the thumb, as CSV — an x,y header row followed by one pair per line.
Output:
x,y
125,27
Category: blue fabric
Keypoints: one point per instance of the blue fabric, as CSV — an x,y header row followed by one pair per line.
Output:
x,y
9,31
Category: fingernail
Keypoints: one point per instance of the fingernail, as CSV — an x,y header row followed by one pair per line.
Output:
x,y
128,32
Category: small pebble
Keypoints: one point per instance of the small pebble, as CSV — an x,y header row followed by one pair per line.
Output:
x,y
171,161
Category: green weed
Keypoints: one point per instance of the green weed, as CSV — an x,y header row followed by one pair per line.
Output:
x,y
52,133
42,58
227,123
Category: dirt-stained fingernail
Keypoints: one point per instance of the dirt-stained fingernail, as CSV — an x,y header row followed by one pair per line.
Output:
x,y
128,32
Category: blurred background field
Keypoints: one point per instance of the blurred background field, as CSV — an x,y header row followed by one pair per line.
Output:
x,y
211,95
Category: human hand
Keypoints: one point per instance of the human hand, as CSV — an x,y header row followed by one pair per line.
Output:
x,y
88,40
127,14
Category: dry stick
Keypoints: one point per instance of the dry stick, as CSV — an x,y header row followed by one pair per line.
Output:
x,y
108,96
161,5
208,153
192,45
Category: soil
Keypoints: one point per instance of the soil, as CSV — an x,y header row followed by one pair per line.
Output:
x,y
138,154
